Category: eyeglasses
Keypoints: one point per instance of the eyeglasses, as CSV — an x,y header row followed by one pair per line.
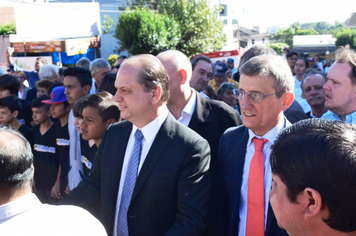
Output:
x,y
254,97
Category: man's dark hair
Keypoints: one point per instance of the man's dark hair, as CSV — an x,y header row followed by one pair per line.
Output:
x,y
11,102
107,83
151,73
254,51
320,154
291,54
10,83
82,74
305,61
37,102
202,58
104,102
44,83
16,161
79,106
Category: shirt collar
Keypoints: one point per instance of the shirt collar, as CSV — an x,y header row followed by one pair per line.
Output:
x,y
271,135
150,130
18,206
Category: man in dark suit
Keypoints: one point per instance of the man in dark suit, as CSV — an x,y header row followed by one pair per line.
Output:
x,y
265,92
207,117
171,192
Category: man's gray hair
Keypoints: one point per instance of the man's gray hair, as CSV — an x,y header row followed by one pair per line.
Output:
x,y
83,62
270,66
98,64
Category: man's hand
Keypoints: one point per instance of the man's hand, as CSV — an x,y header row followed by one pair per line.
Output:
x,y
55,192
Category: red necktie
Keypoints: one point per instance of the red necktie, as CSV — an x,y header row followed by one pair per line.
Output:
x,y
256,195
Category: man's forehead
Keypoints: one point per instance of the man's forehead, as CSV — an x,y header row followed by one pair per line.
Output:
x,y
201,64
70,80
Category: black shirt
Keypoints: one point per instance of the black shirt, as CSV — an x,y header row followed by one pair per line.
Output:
x,y
88,155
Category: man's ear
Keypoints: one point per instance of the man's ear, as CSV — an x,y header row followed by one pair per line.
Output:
x,y
15,113
86,89
313,202
156,94
183,76
110,121
288,99
49,113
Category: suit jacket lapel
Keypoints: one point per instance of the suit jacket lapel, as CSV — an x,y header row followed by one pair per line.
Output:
x,y
202,112
163,138
119,145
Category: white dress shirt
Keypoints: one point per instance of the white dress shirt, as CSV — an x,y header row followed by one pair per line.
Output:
x,y
298,95
28,216
149,133
250,150
188,110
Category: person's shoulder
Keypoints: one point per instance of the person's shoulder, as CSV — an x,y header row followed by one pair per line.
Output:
x,y
235,131
77,221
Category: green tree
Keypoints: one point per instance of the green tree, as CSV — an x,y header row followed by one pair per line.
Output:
x,y
7,29
143,31
278,47
107,24
286,35
200,28
347,36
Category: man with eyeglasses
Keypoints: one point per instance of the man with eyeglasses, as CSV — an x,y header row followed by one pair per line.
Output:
x,y
340,89
265,92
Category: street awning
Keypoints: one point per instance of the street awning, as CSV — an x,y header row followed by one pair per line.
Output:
x,y
314,49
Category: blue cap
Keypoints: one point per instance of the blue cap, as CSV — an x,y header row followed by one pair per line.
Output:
x,y
220,68
57,96
230,60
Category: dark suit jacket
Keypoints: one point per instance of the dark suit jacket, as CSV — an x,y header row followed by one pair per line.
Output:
x,y
210,120
171,194
295,113
232,151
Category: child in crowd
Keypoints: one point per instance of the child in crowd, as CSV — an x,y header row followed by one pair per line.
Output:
x,y
100,110
9,86
9,110
60,110
42,86
46,161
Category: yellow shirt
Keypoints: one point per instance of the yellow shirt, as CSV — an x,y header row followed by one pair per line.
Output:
x,y
216,87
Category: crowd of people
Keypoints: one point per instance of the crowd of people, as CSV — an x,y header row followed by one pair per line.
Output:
x,y
164,145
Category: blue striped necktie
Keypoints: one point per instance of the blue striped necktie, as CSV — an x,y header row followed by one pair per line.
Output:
x,y
129,184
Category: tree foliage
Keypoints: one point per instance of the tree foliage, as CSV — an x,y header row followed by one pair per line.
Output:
x,y
278,47
347,36
7,29
107,24
144,31
286,35
200,28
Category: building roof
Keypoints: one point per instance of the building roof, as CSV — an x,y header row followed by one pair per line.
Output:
x,y
352,21
248,33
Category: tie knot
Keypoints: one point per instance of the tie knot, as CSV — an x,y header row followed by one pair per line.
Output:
x,y
259,143
138,135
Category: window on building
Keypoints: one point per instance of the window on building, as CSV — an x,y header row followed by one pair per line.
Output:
x,y
253,41
263,40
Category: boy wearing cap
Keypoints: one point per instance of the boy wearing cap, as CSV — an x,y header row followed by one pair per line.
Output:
x,y
60,110
220,76
47,173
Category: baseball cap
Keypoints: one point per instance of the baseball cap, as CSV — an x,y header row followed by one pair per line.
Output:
x,y
310,58
220,68
57,96
230,60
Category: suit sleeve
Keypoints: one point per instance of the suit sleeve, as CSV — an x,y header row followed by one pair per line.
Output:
x,y
193,192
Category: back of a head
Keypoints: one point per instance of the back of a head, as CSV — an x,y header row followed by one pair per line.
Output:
x,y
79,106
97,64
270,66
256,50
176,61
151,72
49,71
82,74
104,102
320,154
108,83
83,62
16,162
